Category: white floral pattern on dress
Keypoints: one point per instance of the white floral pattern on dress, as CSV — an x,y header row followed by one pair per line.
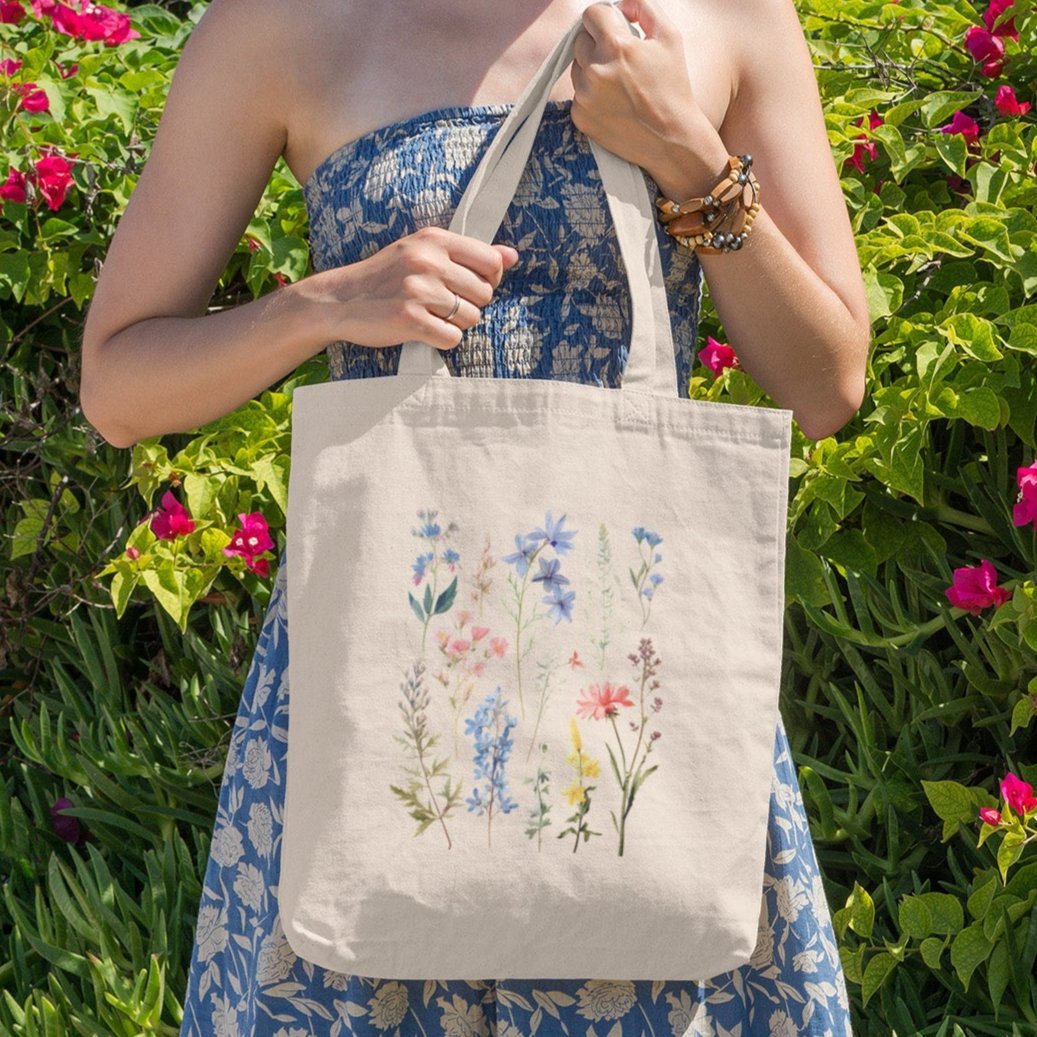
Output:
x,y
563,314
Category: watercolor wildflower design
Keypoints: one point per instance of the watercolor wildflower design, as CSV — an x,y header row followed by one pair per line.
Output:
x,y
537,814
491,726
578,793
529,548
602,702
419,795
427,570
645,581
547,672
608,582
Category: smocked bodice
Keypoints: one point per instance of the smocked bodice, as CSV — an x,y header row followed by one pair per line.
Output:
x,y
563,311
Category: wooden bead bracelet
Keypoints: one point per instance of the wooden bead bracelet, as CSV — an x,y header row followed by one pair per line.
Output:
x,y
721,220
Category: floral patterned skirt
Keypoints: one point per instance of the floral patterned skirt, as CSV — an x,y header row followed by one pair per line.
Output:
x,y
246,981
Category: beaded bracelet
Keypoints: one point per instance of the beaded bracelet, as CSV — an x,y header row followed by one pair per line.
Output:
x,y
721,220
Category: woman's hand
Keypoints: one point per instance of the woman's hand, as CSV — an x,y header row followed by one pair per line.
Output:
x,y
632,95
405,290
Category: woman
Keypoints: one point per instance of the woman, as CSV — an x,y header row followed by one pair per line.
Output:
x,y
383,116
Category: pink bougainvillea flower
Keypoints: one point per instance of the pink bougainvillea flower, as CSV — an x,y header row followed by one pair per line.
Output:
x,y
251,539
64,72
986,48
975,588
53,178
1018,794
963,124
990,815
65,827
90,22
11,13
13,188
1006,28
866,147
716,356
1007,103
9,66
33,98
1025,509
132,552
171,520
603,700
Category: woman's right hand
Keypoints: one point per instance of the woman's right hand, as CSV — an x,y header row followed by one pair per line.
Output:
x,y
404,291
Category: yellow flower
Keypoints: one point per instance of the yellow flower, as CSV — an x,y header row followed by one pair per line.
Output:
x,y
574,733
591,768
575,793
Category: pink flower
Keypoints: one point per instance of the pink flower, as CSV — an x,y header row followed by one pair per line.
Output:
x,y
459,646
499,645
464,617
479,632
33,100
1018,794
54,177
9,66
575,660
1006,28
66,72
1006,102
65,827
1025,509
13,188
975,588
867,147
603,700
478,668
986,48
132,552
990,815
91,22
963,124
253,538
11,13
442,636
716,356
171,519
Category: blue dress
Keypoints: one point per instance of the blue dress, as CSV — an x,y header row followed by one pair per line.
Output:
x,y
561,312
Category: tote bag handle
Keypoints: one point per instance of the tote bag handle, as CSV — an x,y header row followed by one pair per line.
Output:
x,y
651,361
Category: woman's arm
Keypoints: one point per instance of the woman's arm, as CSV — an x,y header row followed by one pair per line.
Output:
x,y
792,300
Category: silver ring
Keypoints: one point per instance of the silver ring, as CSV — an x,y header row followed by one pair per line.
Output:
x,y
457,306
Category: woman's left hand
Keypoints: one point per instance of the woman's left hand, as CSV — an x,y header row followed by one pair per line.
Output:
x,y
631,95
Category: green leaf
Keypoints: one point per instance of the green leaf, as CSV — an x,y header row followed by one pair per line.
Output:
x,y
938,107
446,599
932,951
418,611
428,599
969,950
1022,713
879,968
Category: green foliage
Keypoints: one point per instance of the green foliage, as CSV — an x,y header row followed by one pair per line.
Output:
x,y
904,711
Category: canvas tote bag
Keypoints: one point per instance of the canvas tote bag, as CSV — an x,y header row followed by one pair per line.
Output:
x,y
536,634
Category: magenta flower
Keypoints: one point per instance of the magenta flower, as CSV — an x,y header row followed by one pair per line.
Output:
x,y
1006,28
1025,509
716,356
866,147
33,99
986,48
171,519
1007,103
251,539
13,188
963,124
1018,794
990,815
65,827
975,588
54,178
11,13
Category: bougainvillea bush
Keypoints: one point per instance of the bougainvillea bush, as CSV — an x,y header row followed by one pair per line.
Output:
x,y
135,580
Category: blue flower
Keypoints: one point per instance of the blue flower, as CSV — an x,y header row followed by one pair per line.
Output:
x,y
553,533
647,592
492,751
653,539
430,530
419,565
658,557
639,533
656,578
450,556
561,605
520,559
549,574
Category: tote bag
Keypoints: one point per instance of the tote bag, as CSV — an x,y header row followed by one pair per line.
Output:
x,y
536,635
